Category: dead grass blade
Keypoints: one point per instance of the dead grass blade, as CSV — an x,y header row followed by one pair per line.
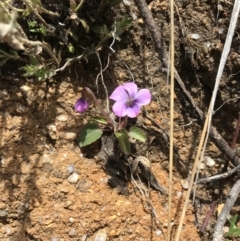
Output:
x,y
171,121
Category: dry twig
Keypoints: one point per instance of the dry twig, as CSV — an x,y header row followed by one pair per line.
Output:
x,y
219,176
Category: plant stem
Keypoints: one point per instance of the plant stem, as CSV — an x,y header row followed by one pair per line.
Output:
x,y
104,113
123,124
79,6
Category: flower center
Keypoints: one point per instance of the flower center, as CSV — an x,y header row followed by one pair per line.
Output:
x,y
130,103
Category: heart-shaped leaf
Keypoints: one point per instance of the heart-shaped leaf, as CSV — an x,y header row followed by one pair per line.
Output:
x,y
137,134
89,134
99,119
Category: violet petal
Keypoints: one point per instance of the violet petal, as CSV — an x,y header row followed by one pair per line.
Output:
x,y
119,109
143,97
119,94
133,111
131,88
81,105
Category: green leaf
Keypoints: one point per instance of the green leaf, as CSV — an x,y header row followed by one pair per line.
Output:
x,y
89,134
99,119
101,29
122,25
3,61
71,48
84,24
122,137
234,231
137,134
74,36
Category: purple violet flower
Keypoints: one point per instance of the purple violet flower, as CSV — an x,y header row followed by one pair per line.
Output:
x,y
81,105
129,100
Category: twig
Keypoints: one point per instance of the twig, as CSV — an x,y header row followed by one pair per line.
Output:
x,y
154,31
114,38
233,194
79,5
225,103
219,176
69,62
208,216
236,132
103,83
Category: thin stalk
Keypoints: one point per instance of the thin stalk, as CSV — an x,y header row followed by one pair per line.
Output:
x,y
171,121
79,6
104,113
179,230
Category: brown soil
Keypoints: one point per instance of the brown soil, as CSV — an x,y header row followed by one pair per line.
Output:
x,y
39,149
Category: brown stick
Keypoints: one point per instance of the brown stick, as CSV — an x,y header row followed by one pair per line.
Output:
x,y
163,55
236,132
208,216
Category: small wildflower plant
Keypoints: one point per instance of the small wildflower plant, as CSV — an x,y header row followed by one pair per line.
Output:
x,y
128,102
234,231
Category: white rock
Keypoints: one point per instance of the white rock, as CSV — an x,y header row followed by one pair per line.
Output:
x,y
46,159
72,220
52,131
62,117
3,213
209,161
202,166
52,127
158,232
195,36
68,135
27,91
72,232
185,183
73,178
101,235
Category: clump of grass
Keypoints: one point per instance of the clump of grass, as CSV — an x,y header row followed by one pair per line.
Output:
x,y
234,231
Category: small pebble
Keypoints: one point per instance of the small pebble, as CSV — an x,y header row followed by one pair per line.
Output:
x,y
71,220
195,36
62,117
101,235
46,159
73,178
52,127
72,232
202,166
158,232
209,161
185,183
68,135
3,213
70,168
28,93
